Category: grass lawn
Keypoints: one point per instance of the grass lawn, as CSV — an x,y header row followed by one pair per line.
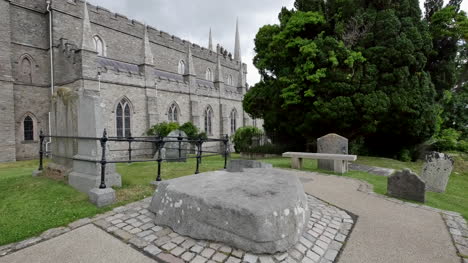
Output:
x,y
30,205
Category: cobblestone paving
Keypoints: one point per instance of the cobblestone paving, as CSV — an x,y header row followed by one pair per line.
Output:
x,y
458,228
322,241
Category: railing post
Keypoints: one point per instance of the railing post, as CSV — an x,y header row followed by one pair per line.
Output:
x,y
180,145
41,150
160,144
103,160
129,138
199,146
226,150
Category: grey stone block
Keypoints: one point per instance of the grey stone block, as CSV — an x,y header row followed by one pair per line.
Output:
x,y
407,185
436,171
239,165
260,210
102,197
36,173
172,148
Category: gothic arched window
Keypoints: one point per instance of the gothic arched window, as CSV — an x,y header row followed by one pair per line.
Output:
x,y
233,121
209,121
181,68
28,128
209,74
229,80
26,70
99,46
173,113
123,119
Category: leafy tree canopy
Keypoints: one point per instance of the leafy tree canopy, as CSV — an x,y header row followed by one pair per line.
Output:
x,y
353,67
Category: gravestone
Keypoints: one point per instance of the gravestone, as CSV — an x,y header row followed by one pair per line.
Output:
x,y
176,151
258,210
436,171
331,143
406,185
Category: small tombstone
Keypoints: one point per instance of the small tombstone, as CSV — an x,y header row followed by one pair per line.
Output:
x,y
406,185
331,143
436,171
176,151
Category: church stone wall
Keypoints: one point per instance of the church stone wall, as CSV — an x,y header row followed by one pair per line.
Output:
x,y
24,32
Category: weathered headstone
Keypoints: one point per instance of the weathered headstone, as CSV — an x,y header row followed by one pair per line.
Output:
x,y
176,151
436,171
260,210
239,165
406,185
331,143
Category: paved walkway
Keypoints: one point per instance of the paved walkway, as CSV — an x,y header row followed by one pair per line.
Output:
x,y
84,244
385,231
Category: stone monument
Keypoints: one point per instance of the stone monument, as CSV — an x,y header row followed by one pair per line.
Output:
x,y
331,143
436,171
239,165
406,185
258,210
176,151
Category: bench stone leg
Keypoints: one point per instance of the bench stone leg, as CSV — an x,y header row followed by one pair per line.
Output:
x,y
296,163
340,166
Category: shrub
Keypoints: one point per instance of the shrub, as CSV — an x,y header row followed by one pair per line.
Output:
x,y
242,139
447,140
190,129
404,155
163,129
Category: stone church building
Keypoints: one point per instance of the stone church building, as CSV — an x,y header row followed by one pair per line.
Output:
x,y
141,75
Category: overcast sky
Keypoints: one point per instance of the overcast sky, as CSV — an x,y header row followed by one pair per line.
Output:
x,y
192,19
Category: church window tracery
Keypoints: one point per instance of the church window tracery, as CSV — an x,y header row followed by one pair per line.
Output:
x,y
123,119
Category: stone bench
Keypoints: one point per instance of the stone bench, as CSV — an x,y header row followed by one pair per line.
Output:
x,y
340,161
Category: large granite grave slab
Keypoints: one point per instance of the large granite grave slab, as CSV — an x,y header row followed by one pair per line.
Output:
x,y
331,143
406,185
436,171
258,210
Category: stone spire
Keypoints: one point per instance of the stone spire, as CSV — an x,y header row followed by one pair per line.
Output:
x,y
210,42
237,50
149,58
87,35
190,69
219,71
241,80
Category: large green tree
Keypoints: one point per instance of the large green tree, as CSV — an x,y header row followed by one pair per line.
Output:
x,y
354,67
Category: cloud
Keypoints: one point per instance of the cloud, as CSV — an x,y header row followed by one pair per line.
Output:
x,y
192,20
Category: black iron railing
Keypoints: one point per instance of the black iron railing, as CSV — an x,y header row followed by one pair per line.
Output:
x,y
157,141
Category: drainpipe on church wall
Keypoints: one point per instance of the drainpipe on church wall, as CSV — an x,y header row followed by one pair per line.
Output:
x,y
52,77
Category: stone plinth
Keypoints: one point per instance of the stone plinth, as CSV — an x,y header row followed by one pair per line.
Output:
x,y
260,210
436,171
239,165
102,197
331,143
407,185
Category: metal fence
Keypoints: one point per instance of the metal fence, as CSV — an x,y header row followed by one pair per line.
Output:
x,y
157,141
